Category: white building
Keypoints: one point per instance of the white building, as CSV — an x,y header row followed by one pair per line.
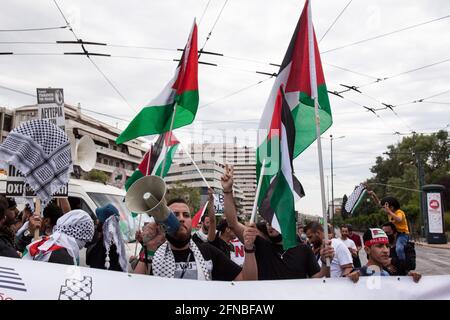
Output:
x,y
212,157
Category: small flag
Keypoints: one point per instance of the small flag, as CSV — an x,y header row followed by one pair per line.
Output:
x,y
198,216
356,198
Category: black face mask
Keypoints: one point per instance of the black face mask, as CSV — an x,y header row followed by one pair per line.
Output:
x,y
276,239
177,243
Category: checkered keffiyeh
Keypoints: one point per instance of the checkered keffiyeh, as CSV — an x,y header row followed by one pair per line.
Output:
x,y
163,263
355,199
41,151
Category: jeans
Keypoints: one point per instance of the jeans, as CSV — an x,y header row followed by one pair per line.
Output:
x,y
402,239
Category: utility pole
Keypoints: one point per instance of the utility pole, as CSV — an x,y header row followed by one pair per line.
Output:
x,y
332,175
332,179
421,176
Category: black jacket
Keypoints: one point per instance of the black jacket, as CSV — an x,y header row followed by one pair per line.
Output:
x,y
7,248
96,254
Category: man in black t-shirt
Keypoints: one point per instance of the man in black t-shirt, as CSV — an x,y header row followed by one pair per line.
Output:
x,y
179,257
273,262
223,237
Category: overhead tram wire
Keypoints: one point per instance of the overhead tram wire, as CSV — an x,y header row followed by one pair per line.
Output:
x,y
234,93
33,29
422,99
18,91
214,25
335,20
203,14
385,34
351,71
405,72
91,60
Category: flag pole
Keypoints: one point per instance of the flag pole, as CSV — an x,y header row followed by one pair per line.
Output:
x,y
314,95
195,165
169,138
140,216
258,189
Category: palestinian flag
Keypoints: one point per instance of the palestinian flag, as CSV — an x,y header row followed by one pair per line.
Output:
x,y
198,216
277,203
181,93
164,148
154,158
302,77
355,199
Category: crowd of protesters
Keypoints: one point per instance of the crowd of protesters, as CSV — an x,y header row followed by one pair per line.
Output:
x,y
61,233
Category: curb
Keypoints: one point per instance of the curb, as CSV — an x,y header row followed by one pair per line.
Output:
x,y
436,246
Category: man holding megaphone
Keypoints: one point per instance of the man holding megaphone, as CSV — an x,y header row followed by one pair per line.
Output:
x,y
179,257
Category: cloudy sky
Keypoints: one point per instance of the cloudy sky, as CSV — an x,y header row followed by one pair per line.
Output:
x,y
142,37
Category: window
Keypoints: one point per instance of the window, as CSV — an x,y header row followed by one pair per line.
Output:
x,y
7,123
78,203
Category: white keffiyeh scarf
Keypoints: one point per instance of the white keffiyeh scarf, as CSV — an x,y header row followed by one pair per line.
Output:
x,y
71,232
41,151
112,234
163,263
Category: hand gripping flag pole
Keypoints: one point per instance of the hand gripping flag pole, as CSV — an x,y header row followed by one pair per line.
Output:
x,y
258,190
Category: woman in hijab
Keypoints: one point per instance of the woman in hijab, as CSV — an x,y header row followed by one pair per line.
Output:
x,y
71,233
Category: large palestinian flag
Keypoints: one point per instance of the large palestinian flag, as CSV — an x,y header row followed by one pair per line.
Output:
x,y
301,77
181,92
277,205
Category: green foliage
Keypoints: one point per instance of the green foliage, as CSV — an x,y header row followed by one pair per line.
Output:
x,y
97,176
399,168
447,221
191,195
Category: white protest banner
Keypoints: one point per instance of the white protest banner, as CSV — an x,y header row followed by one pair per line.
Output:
x,y
51,281
51,106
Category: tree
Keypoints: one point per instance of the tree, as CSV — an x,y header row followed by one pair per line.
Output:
x,y
97,176
396,173
191,195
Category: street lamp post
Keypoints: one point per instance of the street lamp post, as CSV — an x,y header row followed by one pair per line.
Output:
x,y
332,176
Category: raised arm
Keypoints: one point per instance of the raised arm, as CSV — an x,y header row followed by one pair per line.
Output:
x,y
374,196
250,267
229,207
212,216
64,204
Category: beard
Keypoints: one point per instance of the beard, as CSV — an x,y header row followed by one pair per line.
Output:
x,y
276,239
178,242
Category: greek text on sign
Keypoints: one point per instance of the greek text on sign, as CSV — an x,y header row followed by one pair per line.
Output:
x,y
16,186
51,106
